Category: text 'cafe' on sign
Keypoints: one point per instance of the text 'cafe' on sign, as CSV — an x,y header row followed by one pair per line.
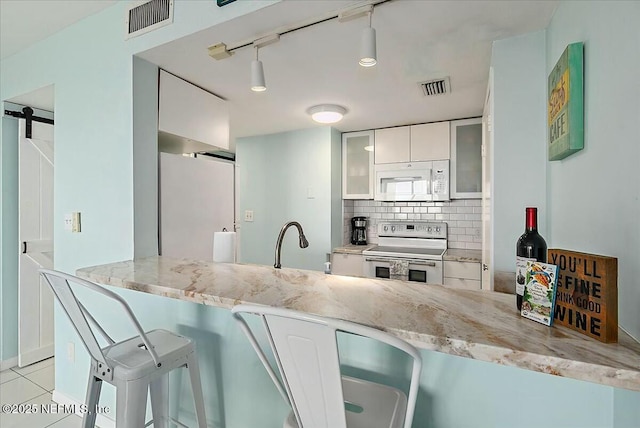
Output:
x,y
587,293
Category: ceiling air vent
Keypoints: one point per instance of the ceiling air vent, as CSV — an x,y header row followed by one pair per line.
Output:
x,y
436,86
148,16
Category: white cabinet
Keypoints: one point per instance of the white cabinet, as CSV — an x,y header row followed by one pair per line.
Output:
x,y
430,141
357,165
347,264
414,143
192,116
462,275
466,159
393,145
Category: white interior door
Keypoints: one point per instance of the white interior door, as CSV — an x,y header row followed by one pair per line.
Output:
x,y
487,173
35,300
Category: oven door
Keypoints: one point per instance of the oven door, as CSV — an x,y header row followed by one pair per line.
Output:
x,y
426,271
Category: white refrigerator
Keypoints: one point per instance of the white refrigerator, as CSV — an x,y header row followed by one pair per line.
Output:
x,y
196,198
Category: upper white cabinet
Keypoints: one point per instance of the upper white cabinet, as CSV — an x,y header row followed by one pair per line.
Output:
x,y
430,141
192,114
426,142
466,159
393,145
357,165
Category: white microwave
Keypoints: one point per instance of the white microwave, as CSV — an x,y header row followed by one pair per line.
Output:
x,y
412,181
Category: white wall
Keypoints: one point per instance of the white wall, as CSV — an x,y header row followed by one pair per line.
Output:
x,y
594,195
519,162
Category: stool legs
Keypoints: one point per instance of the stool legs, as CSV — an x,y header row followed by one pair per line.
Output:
x,y
196,387
159,391
131,403
93,395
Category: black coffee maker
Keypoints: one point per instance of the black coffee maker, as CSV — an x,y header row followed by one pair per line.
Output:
x,y
359,230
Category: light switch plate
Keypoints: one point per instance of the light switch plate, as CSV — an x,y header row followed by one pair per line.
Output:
x,y
75,223
248,215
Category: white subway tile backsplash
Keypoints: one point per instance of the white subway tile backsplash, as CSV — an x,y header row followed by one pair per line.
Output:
x,y
463,218
464,210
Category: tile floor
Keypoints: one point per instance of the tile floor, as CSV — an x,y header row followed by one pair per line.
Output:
x,y
32,385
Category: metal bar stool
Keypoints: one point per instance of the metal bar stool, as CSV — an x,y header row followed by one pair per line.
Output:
x,y
306,354
134,366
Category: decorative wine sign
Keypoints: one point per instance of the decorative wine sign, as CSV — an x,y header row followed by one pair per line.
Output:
x,y
587,293
565,109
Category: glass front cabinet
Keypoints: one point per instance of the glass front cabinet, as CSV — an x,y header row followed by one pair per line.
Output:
x,y
466,159
357,165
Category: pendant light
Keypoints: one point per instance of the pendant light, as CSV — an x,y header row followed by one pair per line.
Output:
x,y
368,57
257,75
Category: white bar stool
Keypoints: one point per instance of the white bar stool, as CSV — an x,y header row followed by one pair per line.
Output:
x,y
134,366
320,397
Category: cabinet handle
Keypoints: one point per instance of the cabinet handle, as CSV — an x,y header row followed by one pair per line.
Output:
x,y
485,267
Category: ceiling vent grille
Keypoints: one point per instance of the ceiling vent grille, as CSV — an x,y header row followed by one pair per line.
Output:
x,y
148,16
436,87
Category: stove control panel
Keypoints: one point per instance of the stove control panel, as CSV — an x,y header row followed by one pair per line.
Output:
x,y
414,229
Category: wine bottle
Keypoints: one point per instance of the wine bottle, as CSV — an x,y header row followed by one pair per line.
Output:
x,y
530,246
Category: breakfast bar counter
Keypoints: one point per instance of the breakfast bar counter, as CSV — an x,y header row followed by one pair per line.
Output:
x,y
474,324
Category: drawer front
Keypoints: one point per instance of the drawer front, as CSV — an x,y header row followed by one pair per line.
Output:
x,y
346,264
463,270
467,284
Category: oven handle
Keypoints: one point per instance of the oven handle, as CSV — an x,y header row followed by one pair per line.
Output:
x,y
411,261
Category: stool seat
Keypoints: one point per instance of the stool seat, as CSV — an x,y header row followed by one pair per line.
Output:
x,y
138,367
369,405
131,360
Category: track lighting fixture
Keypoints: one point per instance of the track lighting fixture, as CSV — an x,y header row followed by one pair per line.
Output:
x,y
257,72
368,57
257,75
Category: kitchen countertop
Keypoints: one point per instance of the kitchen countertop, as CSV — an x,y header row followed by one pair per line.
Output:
x,y
457,255
473,324
353,249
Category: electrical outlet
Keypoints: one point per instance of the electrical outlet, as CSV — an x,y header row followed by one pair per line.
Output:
x,y
71,352
248,215
68,222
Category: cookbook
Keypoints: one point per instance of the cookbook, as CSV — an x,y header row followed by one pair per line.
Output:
x,y
539,299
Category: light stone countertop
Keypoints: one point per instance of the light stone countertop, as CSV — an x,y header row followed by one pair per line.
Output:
x,y
352,249
458,255
474,324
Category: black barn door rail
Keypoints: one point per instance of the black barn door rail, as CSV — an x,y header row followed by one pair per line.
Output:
x,y
27,114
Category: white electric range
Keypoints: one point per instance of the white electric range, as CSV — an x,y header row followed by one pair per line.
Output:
x,y
409,251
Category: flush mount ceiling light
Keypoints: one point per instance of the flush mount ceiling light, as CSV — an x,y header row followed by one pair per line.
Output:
x,y
327,113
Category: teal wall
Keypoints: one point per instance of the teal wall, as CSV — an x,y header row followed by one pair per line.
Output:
x,y
275,173
588,212
9,239
519,159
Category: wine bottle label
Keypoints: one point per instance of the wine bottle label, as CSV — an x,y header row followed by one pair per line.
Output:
x,y
521,271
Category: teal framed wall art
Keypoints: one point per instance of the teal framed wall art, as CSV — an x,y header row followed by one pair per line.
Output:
x,y
565,108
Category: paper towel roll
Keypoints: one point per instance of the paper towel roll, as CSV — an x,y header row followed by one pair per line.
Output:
x,y
224,247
